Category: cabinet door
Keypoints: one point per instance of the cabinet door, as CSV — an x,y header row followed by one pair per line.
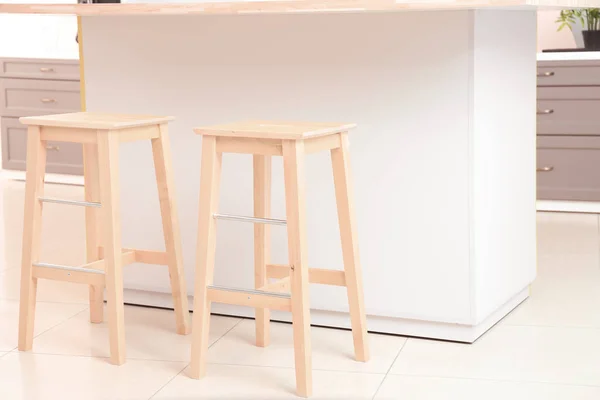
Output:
x,y
39,69
568,117
568,168
29,97
585,74
63,158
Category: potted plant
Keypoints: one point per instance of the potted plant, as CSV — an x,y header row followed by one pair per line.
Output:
x,y
589,19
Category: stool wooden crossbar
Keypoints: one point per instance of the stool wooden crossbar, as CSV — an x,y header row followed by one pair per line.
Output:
x,y
100,135
290,291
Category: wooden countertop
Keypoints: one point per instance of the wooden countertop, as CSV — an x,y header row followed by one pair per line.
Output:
x,y
283,6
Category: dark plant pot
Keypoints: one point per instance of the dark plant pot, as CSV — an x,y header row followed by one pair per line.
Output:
x,y
591,39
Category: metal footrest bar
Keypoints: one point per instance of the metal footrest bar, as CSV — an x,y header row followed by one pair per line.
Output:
x,y
69,202
255,220
250,298
65,273
251,291
68,268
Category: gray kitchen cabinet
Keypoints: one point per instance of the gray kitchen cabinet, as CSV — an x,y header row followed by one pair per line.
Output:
x,y
568,130
30,97
568,73
568,168
32,68
38,87
62,157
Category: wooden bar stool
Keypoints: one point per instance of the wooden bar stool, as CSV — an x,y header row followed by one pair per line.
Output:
x,y
292,141
100,135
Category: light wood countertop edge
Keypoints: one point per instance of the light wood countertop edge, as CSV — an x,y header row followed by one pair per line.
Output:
x,y
283,6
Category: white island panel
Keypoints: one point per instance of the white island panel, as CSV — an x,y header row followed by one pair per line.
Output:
x,y
504,148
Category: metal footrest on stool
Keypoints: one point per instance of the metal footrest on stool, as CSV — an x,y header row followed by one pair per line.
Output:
x,y
94,273
90,276
70,202
250,298
255,220
68,268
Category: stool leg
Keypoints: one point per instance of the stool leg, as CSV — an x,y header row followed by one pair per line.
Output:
x,y
34,188
165,182
205,262
92,232
293,165
108,154
262,209
340,159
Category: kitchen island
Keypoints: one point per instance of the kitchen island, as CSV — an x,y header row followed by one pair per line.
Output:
x,y
443,158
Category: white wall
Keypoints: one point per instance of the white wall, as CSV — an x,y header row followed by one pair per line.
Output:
x,y
548,37
38,36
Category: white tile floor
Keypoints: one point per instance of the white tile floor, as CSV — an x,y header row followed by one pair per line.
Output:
x,y
547,349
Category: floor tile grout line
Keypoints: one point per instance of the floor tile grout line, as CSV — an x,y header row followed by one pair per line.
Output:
x,y
549,326
103,357
54,326
389,369
106,357
169,381
152,360
499,380
223,335
359,372
48,302
292,367
183,369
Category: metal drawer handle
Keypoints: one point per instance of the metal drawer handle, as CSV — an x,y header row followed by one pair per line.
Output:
x,y
46,69
546,169
545,112
545,74
45,100
52,147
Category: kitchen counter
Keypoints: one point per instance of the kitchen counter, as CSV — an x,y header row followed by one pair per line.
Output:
x,y
569,56
281,6
443,156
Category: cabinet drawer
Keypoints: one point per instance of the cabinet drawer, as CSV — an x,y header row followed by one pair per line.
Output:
x,y
573,117
581,75
62,158
27,97
568,92
40,69
571,172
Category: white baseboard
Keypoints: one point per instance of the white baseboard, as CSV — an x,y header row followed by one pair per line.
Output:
x,y
568,206
396,326
49,178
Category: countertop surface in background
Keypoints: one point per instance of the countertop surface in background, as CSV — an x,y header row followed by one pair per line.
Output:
x,y
281,6
569,56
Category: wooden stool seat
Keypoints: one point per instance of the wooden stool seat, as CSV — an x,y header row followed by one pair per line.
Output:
x,y
275,130
292,140
100,135
92,120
